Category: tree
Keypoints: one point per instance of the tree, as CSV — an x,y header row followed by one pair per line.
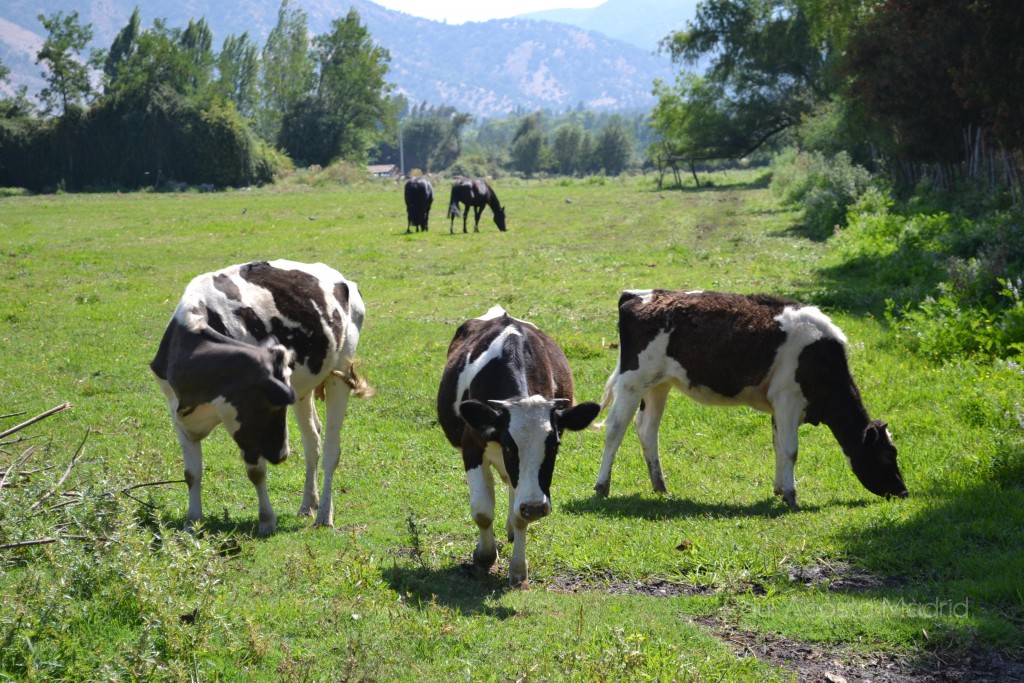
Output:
x,y
766,73
528,145
351,100
565,148
67,78
614,147
238,71
287,70
197,41
901,64
124,46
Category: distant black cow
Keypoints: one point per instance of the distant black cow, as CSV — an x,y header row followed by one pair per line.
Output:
x,y
246,342
419,195
774,355
477,194
505,397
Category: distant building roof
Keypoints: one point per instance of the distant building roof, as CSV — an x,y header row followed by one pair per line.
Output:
x,y
384,170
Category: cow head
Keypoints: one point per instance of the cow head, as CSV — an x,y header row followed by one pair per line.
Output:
x,y
254,410
529,431
875,462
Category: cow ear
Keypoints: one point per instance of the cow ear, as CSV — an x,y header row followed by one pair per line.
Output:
x,y
279,393
578,417
479,416
873,433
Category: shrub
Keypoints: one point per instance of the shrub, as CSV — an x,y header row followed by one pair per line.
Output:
x,y
826,186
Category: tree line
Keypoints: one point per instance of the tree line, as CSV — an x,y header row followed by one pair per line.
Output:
x,y
160,104
168,107
913,87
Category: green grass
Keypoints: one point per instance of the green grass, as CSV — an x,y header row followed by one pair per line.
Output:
x,y
88,282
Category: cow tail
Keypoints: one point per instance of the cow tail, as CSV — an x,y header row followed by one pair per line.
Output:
x,y
360,387
608,395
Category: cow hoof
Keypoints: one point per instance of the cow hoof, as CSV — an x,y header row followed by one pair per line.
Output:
x,y
485,560
602,490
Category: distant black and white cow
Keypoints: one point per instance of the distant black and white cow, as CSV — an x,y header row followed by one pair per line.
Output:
x,y
505,397
775,355
419,196
246,342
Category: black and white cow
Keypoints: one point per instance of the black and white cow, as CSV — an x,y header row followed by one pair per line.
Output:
x,y
246,342
775,355
419,197
505,397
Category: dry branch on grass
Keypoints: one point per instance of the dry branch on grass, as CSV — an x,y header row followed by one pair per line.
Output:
x,y
14,475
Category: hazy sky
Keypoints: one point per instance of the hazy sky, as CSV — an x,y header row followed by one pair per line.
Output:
x,y
460,11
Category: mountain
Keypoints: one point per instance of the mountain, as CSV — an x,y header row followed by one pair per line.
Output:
x,y
641,23
487,68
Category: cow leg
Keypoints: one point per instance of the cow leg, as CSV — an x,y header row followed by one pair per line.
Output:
x,y
518,571
785,424
309,427
336,392
626,402
192,449
258,476
648,421
481,506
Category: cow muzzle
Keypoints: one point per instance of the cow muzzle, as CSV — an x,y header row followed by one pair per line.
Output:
x,y
531,512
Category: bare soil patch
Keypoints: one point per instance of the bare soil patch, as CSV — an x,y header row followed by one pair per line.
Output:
x,y
815,662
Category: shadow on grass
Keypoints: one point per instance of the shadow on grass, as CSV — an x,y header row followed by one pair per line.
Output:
x,y
713,184
646,506
466,588
963,553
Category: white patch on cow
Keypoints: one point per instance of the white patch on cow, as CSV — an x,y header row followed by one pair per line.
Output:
x,y
530,426
807,324
474,367
643,294
228,414
492,313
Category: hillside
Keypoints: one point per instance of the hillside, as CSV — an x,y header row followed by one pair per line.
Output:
x,y
641,23
485,68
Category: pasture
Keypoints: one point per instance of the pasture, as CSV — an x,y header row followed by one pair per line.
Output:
x,y
716,581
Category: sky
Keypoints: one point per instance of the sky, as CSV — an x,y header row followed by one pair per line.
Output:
x,y
461,11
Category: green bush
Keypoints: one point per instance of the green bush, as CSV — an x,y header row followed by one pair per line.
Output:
x,y
825,186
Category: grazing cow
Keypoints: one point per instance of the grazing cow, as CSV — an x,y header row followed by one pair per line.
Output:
x,y
419,195
771,354
244,343
505,397
477,194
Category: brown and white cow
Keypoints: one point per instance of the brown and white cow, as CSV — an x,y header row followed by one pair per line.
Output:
x,y
505,397
246,342
775,355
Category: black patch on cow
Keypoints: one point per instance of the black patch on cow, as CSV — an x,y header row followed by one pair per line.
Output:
x,y
223,283
825,381
300,298
726,342
547,468
253,323
215,322
510,454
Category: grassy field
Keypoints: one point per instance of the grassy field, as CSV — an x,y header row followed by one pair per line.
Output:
x,y
716,581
